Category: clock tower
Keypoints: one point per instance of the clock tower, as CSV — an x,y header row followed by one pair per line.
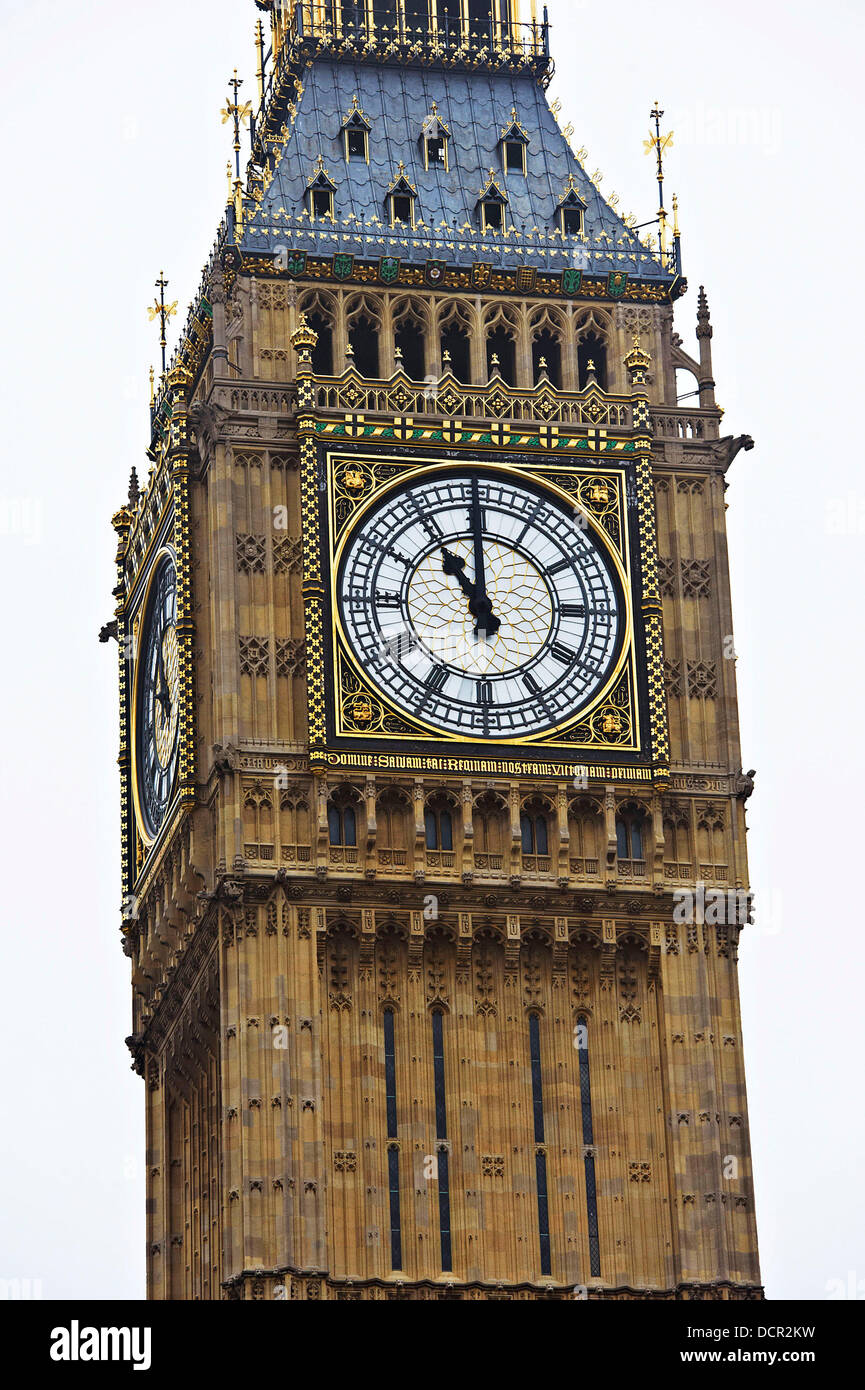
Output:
x,y
432,805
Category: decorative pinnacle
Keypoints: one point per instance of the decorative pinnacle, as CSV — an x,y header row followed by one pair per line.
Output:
x,y
134,490
704,325
637,361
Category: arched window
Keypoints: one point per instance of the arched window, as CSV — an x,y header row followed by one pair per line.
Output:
x,y
592,353
581,1038
586,833
442,1154
502,355
535,833
393,1145
322,353
490,830
631,840
540,1145
342,823
547,357
363,336
439,825
409,344
456,353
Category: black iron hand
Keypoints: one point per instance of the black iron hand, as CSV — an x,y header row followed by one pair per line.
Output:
x,y
487,623
480,607
163,695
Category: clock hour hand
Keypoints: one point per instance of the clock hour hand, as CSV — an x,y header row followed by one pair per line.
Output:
x,y
486,624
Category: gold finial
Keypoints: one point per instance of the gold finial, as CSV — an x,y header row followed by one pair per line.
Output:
x,y
659,143
447,359
152,392
241,115
228,175
162,311
675,214
435,108
590,366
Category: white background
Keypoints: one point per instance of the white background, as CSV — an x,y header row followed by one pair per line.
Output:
x,y
114,167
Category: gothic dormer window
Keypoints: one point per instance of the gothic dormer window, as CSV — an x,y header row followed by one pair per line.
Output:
x,y
401,200
514,143
355,133
493,206
320,192
435,141
571,211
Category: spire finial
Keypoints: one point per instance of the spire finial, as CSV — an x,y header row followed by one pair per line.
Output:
x,y
162,311
240,113
659,143
134,490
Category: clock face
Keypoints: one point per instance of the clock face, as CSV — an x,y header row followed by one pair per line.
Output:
x,y
480,606
157,698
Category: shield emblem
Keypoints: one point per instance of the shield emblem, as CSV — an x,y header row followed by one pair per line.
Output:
x,y
616,282
388,269
343,265
296,263
481,274
571,281
435,272
526,278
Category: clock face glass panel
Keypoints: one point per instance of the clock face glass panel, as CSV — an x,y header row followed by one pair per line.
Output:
x,y
480,606
157,698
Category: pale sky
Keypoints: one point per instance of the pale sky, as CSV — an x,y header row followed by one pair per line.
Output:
x,y
115,168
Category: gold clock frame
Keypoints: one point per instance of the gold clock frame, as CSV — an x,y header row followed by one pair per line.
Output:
x,y
141,609
366,688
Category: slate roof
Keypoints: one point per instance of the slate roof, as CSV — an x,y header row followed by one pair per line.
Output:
x,y
476,107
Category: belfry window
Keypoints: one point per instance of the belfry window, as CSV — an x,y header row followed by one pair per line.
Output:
x,y
592,354
363,336
456,353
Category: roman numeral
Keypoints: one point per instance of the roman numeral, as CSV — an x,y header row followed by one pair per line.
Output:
x,y
563,654
437,678
484,692
531,684
387,600
557,569
573,610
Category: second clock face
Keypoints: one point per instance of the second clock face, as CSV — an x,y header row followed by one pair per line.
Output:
x,y
157,698
480,606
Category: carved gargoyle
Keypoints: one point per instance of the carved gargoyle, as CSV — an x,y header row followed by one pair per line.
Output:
x,y
743,783
109,631
726,449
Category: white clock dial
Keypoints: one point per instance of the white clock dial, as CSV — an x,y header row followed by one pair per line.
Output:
x,y
479,606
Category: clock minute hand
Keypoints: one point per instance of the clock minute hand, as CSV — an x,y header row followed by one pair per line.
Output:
x,y
487,624
163,696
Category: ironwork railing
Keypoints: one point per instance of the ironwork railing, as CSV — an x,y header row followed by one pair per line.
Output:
x,y
446,28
